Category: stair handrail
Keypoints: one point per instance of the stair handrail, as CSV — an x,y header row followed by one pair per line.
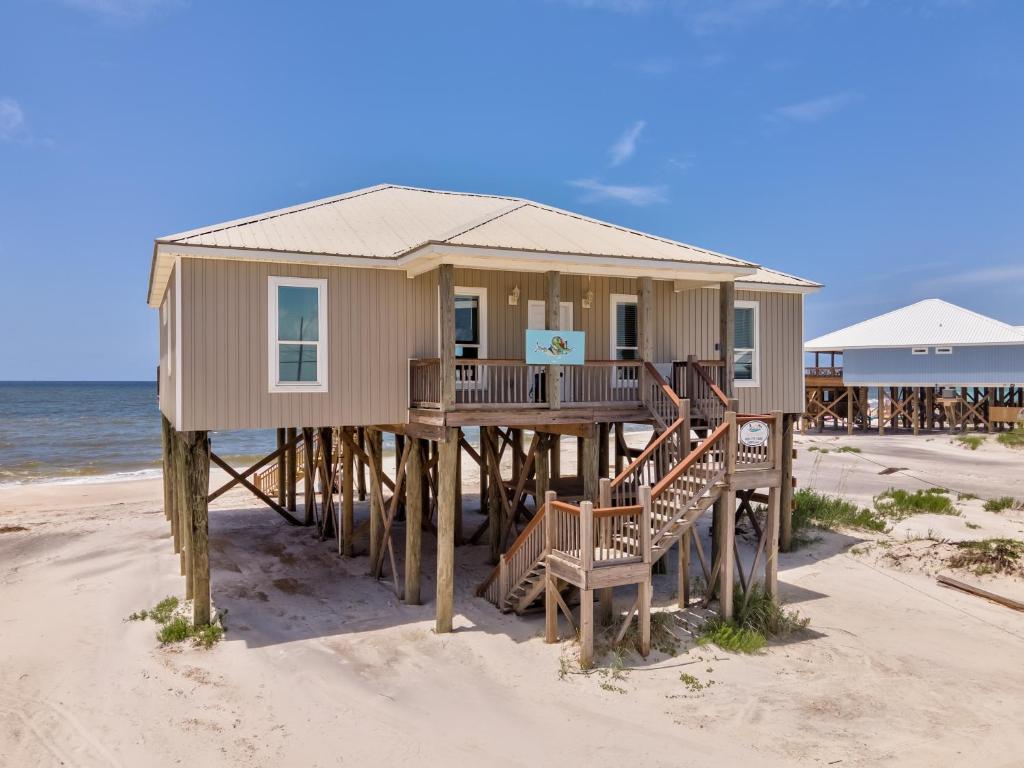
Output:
x,y
659,397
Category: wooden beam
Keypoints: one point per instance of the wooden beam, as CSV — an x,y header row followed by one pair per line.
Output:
x,y
195,455
282,468
240,478
448,455
414,522
170,513
308,495
374,445
291,462
786,485
645,318
589,469
726,334
446,297
348,512
552,321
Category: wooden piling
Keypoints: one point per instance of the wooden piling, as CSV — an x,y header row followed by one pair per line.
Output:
x,y
195,455
414,522
348,513
293,468
375,446
308,487
447,456
282,468
786,484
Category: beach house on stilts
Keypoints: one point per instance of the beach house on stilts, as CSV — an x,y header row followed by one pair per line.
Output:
x,y
487,329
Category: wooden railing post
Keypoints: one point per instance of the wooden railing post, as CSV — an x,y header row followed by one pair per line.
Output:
x,y
771,565
550,586
645,523
552,321
727,521
550,542
587,535
685,443
691,361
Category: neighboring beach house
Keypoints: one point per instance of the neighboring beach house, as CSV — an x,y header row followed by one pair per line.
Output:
x,y
406,311
932,363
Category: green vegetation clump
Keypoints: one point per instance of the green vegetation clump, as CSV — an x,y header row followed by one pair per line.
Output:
x,y
1000,504
897,504
848,449
811,508
1012,439
989,556
758,620
816,449
176,628
971,441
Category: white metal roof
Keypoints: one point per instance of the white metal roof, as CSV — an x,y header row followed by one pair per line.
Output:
x,y
927,323
772,279
390,226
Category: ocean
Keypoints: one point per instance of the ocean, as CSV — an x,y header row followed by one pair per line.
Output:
x,y
87,431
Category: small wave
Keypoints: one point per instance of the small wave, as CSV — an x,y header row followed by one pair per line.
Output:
x,y
85,479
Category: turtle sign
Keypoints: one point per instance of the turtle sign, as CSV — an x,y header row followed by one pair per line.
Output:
x,y
554,347
754,434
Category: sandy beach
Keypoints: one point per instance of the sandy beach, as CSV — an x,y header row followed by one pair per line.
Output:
x,y
322,666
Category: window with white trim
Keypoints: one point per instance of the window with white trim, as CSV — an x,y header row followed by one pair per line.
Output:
x,y
943,350
919,351
625,335
297,330
471,323
746,344
537,315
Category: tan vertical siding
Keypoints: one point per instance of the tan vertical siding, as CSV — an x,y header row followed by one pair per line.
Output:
x,y
373,328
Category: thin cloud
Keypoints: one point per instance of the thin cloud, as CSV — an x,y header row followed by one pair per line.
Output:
x,y
124,10
625,146
14,127
616,6
814,110
639,195
1006,274
682,163
654,66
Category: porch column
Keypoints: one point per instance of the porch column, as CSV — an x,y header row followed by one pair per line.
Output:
x,y
726,333
446,296
414,503
645,318
448,453
552,321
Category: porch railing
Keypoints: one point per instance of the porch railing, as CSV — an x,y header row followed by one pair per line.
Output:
x,y
481,384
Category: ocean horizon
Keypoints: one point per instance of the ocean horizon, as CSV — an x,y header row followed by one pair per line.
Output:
x,y
95,431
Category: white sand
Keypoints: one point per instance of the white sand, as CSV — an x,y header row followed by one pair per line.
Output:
x,y
322,666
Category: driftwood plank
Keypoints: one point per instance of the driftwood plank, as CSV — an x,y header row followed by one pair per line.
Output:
x,y
946,581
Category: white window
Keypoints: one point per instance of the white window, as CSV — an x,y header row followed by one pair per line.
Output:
x,y
297,330
746,344
625,334
919,351
470,323
536,318
943,350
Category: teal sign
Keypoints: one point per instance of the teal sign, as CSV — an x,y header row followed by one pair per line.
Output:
x,y
554,347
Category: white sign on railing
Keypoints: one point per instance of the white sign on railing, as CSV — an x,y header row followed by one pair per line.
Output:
x,y
754,434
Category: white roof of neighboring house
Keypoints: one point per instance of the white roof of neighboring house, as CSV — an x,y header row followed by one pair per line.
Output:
x,y
390,226
927,323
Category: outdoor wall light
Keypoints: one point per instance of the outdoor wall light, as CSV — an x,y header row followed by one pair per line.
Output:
x,y
513,298
588,300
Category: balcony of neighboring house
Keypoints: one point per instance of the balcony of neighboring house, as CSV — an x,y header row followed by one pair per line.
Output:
x,y
825,372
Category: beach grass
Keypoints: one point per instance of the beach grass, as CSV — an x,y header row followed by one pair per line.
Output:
x,y
897,504
818,510
989,556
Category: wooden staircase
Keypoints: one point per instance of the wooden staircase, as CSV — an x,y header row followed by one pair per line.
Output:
x,y
630,529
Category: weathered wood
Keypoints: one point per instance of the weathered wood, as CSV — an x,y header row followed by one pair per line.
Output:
x,y
727,334
446,299
327,476
361,469
170,510
550,609
292,465
946,581
240,478
448,455
492,504
589,469
348,512
282,468
542,475
727,521
643,614
375,448
645,318
605,597
786,485
184,512
308,493
685,546
195,464
552,318
603,432
414,521
586,628
459,539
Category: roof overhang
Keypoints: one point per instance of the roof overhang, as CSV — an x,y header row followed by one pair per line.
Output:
x,y
432,254
743,285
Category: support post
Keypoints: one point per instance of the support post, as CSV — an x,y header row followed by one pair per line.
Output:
x,y
606,596
542,469
786,485
603,432
586,628
446,296
293,468
771,564
645,318
375,442
282,469
849,411
727,523
588,469
184,510
447,456
643,589
196,480
413,522
495,525
550,583
308,488
326,482
170,506
348,508
685,547
361,465
726,334
459,541
552,321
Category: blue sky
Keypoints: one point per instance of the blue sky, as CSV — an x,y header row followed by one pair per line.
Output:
x,y
877,147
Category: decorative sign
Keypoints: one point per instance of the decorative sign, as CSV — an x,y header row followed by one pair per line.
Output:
x,y
754,434
554,347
